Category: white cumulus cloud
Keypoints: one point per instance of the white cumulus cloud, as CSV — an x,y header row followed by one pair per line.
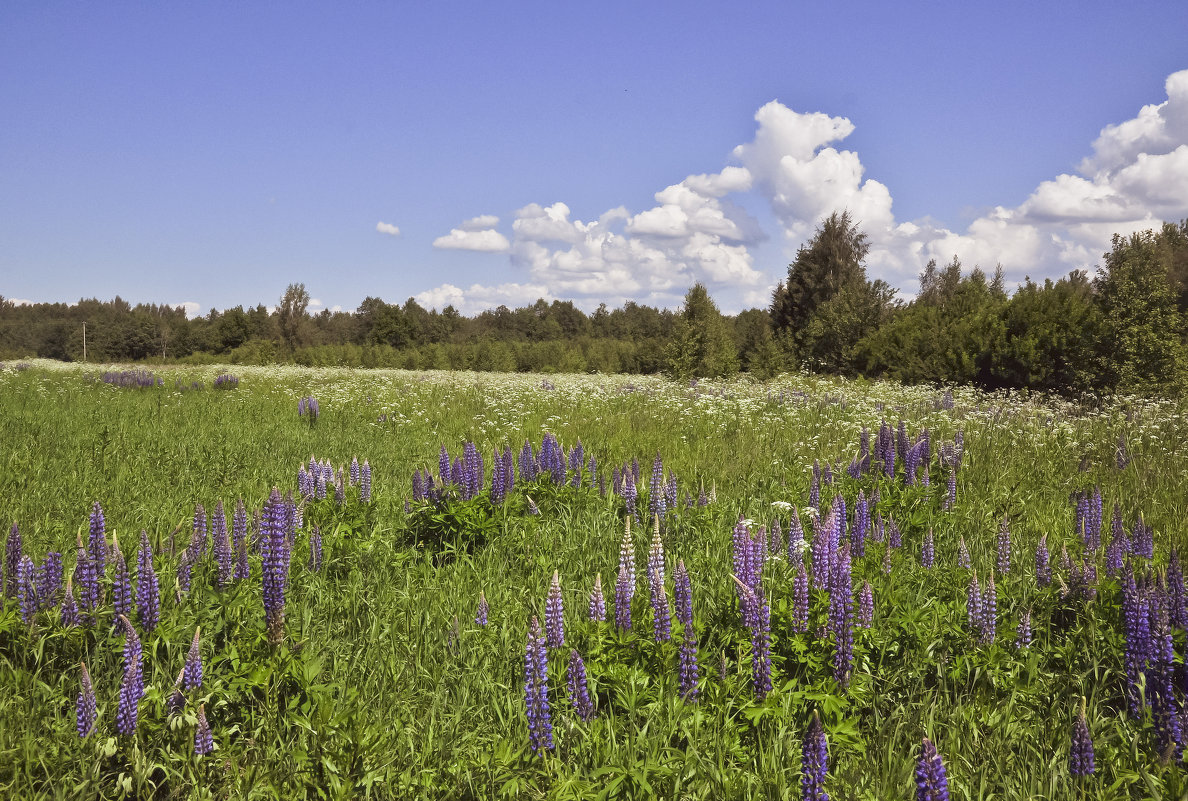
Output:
x,y
1136,177
387,228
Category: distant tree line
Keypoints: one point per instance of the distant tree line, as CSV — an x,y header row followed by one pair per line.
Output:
x,y
1124,329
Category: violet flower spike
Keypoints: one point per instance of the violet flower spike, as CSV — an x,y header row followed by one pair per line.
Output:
x,y
625,585
97,545
555,614
661,618
963,554
192,676
866,606
931,782
1043,565
26,590
800,599
132,687
484,609
121,585
536,690
1004,547
683,592
579,693
1080,757
597,609
1023,633
274,544
814,762
85,708
203,739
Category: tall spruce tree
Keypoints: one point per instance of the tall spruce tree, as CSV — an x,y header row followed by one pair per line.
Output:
x,y
701,346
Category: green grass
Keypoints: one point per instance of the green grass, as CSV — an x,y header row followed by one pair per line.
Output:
x,y
386,687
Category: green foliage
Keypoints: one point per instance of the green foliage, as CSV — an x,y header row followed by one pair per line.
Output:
x,y
1141,346
702,346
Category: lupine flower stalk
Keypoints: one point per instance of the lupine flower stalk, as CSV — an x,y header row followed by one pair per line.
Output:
x,y
26,589
841,616
597,607
625,585
1177,598
132,687
48,577
1004,547
861,526
148,589
97,545
973,603
192,674
176,701
275,546
203,739
1043,566
555,614
800,599
315,550
814,762
70,615
683,592
928,550
86,708
866,606
1023,633
536,690
1161,685
579,693
931,782
1080,758
484,609
989,620
222,547
963,554
661,617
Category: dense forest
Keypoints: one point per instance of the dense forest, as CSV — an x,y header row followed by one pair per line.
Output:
x,y
1123,329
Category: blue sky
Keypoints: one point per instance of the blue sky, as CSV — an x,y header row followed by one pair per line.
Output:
x,y
210,154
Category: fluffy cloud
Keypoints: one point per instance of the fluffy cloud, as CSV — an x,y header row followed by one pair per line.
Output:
x,y
1136,177
387,228
486,240
192,309
477,297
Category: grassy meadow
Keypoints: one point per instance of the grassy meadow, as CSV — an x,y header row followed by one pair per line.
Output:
x,y
385,686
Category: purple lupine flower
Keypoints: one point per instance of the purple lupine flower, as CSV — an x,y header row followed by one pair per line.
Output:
x,y
339,488
757,617
625,585
1161,684
963,554
86,709
597,608
841,616
192,674
656,500
197,545
796,544
866,606
931,782
132,687
661,618
683,592
670,491
928,550
951,493
176,701
48,578
97,545
222,547
1177,599
203,739
121,584
894,535
185,571
148,589
1136,629
1004,547
1043,567
365,482
484,609
536,690
822,553
354,471
12,558
989,609
70,616
800,600
973,603
555,614
275,546
887,560
814,762
1023,633
839,513
26,589
629,494
879,532
239,540
815,486
1081,516
1080,757
1142,539
579,693
861,525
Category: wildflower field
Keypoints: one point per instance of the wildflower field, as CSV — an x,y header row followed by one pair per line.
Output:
x,y
289,583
